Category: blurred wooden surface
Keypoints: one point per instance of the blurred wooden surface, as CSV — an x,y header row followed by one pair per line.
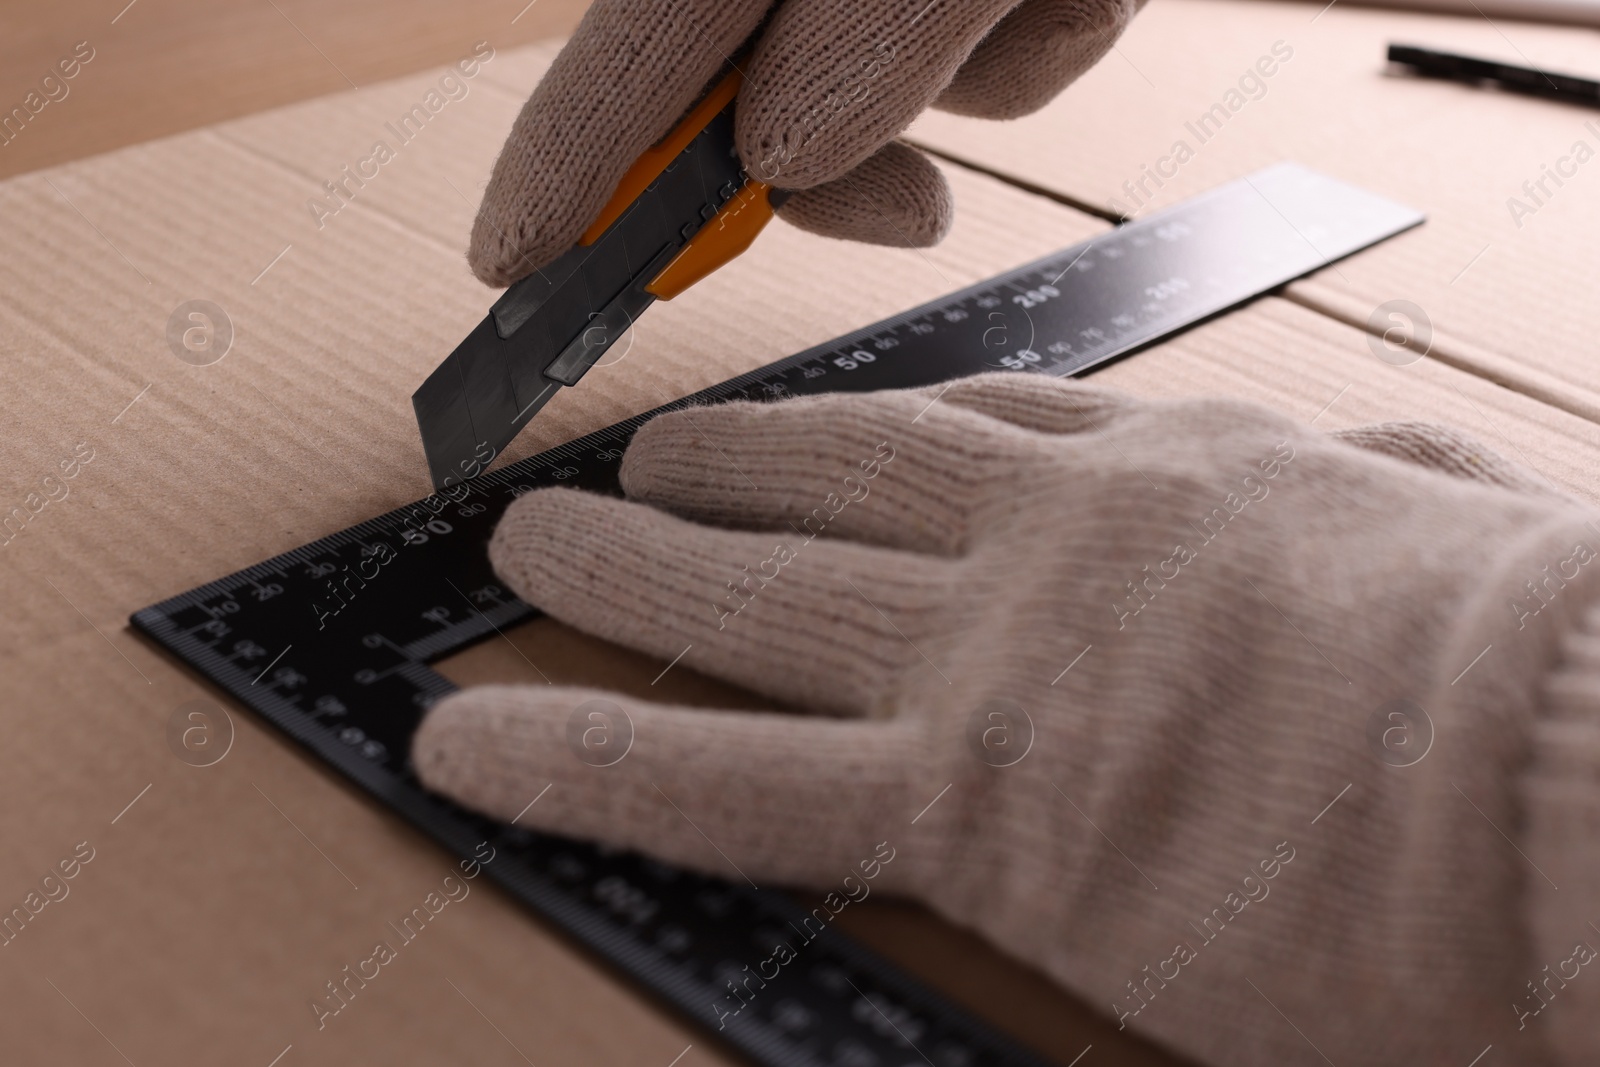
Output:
x,y
163,66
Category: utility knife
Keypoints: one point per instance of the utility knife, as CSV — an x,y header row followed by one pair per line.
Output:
x,y
682,210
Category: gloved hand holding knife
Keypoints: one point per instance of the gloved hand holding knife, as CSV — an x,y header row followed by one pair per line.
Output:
x,y
664,135
827,87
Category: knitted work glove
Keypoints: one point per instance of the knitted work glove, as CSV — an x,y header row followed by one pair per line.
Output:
x,y
1121,682
828,87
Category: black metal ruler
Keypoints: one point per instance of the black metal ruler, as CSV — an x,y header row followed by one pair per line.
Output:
x,y
331,642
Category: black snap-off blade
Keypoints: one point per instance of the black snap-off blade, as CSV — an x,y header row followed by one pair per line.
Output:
x,y
683,209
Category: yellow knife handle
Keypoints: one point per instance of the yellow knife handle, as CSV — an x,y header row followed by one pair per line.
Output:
x,y
722,237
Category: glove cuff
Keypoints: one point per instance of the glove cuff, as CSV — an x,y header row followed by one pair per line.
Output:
x,y
1560,794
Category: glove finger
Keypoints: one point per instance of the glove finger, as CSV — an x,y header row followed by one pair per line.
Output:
x,y
1033,53
888,468
777,613
741,795
627,75
1037,402
896,197
825,90
1447,450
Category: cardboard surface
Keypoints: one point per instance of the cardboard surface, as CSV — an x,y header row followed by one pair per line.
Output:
x,y
1509,295
221,899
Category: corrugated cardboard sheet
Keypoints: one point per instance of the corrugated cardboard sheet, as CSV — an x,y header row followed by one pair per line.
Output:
x,y
220,902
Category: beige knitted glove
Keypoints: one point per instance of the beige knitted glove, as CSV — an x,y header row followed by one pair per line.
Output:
x,y
1116,680
828,87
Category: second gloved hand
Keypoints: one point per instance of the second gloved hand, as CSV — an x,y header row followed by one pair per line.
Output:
x,y
1103,673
